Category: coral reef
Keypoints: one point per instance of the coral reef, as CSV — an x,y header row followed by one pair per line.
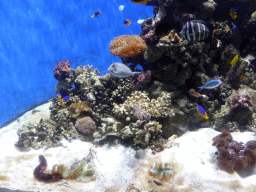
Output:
x,y
79,109
162,171
234,156
62,70
156,107
85,125
127,46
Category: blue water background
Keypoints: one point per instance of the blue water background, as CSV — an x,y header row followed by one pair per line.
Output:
x,y
37,34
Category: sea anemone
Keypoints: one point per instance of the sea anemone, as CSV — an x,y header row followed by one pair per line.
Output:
x,y
163,171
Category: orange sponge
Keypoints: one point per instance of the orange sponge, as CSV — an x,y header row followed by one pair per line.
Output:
x,y
127,46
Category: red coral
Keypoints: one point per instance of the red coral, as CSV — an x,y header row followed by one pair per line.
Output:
x,y
234,156
62,70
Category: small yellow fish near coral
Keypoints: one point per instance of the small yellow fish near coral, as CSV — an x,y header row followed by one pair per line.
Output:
x,y
234,61
139,1
97,14
233,13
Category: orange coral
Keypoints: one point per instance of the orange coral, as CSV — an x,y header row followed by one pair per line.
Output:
x,y
127,46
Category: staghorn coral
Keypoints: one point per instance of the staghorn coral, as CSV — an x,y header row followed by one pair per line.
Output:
x,y
159,107
127,46
85,125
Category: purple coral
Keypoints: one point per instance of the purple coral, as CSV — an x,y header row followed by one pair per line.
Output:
x,y
85,125
234,156
62,70
138,114
241,100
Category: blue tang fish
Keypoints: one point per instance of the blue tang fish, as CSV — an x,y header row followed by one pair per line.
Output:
x,y
120,70
202,112
211,84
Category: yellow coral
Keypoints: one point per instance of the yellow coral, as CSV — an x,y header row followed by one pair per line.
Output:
x,y
127,46
79,109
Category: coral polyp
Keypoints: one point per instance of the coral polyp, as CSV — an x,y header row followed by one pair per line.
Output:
x,y
163,171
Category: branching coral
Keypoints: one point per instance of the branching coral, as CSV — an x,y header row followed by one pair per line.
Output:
x,y
127,46
234,156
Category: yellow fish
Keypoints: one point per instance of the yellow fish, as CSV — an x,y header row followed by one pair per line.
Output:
x,y
139,1
234,61
233,13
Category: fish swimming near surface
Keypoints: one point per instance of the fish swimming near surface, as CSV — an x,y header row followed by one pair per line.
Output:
x,y
233,13
121,8
127,22
120,70
97,14
211,84
139,1
234,60
195,30
202,112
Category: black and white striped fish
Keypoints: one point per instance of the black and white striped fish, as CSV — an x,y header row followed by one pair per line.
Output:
x,y
195,30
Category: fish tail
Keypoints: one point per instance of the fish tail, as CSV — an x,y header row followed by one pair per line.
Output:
x,y
200,89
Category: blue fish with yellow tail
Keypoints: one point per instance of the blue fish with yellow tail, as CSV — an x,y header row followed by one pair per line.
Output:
x,y
64,100
211,84
120,70
127,22
202,112
97,14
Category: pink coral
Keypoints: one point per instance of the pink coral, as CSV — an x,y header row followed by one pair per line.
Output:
x,y
85,125
62,70
139,114
143,77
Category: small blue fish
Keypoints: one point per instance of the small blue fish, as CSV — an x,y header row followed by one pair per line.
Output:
x,y
202,112
120,70
64,100
211,84
97,14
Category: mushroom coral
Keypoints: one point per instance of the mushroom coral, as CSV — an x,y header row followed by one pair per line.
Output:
x,y
234,156
127,46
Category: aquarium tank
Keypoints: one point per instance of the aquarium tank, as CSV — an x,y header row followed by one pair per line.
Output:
x,y
128,95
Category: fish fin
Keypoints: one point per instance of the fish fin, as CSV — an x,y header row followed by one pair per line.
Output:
x,y
136,73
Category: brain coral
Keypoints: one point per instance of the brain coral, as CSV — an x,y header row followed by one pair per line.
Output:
x,y
85,125
127,46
